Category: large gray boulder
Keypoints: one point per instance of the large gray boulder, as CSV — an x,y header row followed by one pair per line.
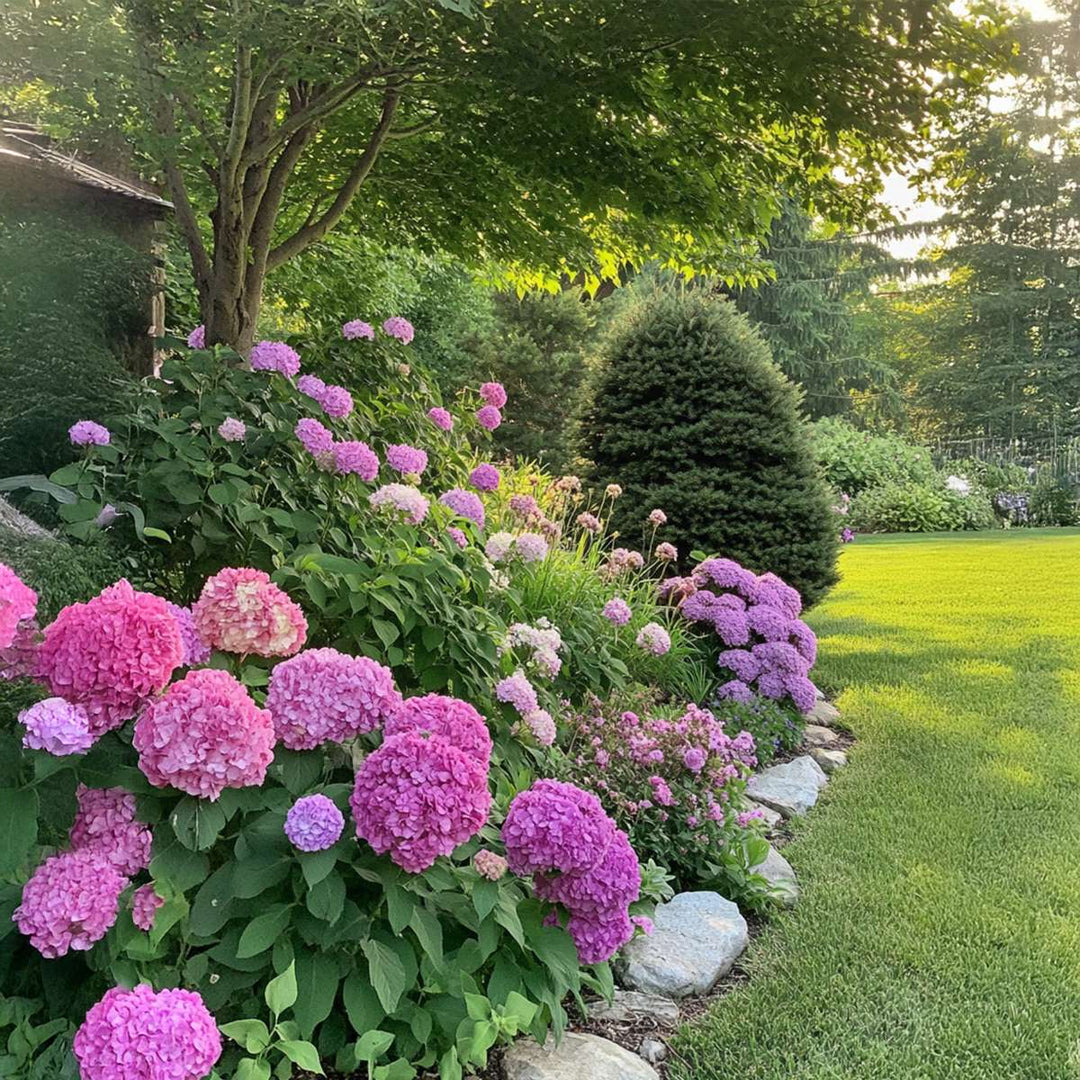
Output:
x,y
824,713
820,736
698,936
577,1057
791,789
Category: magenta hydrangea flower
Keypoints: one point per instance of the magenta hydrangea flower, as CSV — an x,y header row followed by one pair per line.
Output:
x,y
449,718
667,552
542,726
275,356
197,338
356,329
196,651
232,430
87,433
532,547
57,727
105,824
617,611
457,536
142,1035
315,438
203,735
485,478
654,638
398,327
322,695
613,881
407,460
489,417
314,823
441,418
489,865
144,907
18,603
404,499
19,659
311,386
69,903
240,610
336,402
418,797
465,504
354,456
493,393
516,690
111,654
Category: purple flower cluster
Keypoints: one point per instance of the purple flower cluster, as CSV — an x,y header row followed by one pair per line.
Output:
x,y
489,865
57,727
232,430
516,690
144,906
356,329
314,823
105,824
617,611
407,460
354,456
457,536
88,433
578,858
398,327
653,638
275,356
488,416
441,418
197,338
465,504
402,498
448,718
322,695
315,438
493,393
336,402
196,651
485,478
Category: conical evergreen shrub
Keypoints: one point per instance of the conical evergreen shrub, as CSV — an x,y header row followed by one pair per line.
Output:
x,y
689,414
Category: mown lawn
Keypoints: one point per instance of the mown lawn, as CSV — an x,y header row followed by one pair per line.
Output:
x,y
938,936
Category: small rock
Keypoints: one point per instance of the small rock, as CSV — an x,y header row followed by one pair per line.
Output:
x,y
779,873
697,939
823,713
577,1057
652,1050
630,1005
791,788
768,815
829,760
816,735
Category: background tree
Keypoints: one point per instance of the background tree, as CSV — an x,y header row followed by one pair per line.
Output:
x,y
546,136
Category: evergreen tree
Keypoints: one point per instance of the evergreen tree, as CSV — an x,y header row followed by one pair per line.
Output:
x,y
689,414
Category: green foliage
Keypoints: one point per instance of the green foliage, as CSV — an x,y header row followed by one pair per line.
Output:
x,y
855,460
920,506
1054,502
73,298
690,415
777,729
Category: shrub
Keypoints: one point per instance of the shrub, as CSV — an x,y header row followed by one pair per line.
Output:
x,y
690,415
776,729
1053,502
920,507
855,460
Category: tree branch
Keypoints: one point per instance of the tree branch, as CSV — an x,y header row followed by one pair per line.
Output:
x,y
414,129
309,234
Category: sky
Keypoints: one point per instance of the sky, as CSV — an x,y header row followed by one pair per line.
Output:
x,y
899,195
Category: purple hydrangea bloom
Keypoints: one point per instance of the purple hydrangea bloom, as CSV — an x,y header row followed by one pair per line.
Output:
x,y
144,906
232,430
400,328
57,727
516,690
694,758
356,329
731,626
457,536
314,823
88,433
804,639
801,691
197,338
769,589
449,718
727,574
489,417
768,622
465,504
780,656
336,402
312,386
532,547
740,661
275,356
493,393
617,611
407,460
403,498
441,418
485,478
314,437
354,456
525,505
196,651
736,690
105,823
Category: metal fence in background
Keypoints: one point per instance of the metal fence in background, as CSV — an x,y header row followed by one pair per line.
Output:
x,y
1043,459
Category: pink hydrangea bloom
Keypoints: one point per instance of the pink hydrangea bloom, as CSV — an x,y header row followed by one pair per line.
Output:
x,y
232,430
532,547
449,718
57,727
354,456
613,881
485,478
144,907
418,797
499,546
19,659
654,638
315,438
336,402
242,611
493,393
142,1035
203,735
197,338
617,611
407,460
667,552
275,356
657,518
489,865
489,417
18,603
322,695
69,903
643,923
111,653
403,498
196,651
516,690
465,504
314,823
88,433
356,329
398,327
525,505
441,418
311,386
589,522
542,726
457,536
105,823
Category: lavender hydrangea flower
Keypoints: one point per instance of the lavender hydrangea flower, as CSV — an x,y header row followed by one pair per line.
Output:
x,y
197,338
232,430
654,638
398,327
196,651
441,418
57,727
407,460
88,433
311,386
485,478
403,498
336,402
489,417
516,690
457,536
314,823
356,329
314,437
465,504
617,611
532,547
144,906
354,456
275,356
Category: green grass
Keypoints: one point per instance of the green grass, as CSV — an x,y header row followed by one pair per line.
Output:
x,y
938,935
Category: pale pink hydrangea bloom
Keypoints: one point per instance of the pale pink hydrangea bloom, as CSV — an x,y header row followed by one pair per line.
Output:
x,y
542,726
144,907
489,865
657,518
499,547
399,327
105,823
356,329
516,690
232,430
654,638
403,499
57,727
240,610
